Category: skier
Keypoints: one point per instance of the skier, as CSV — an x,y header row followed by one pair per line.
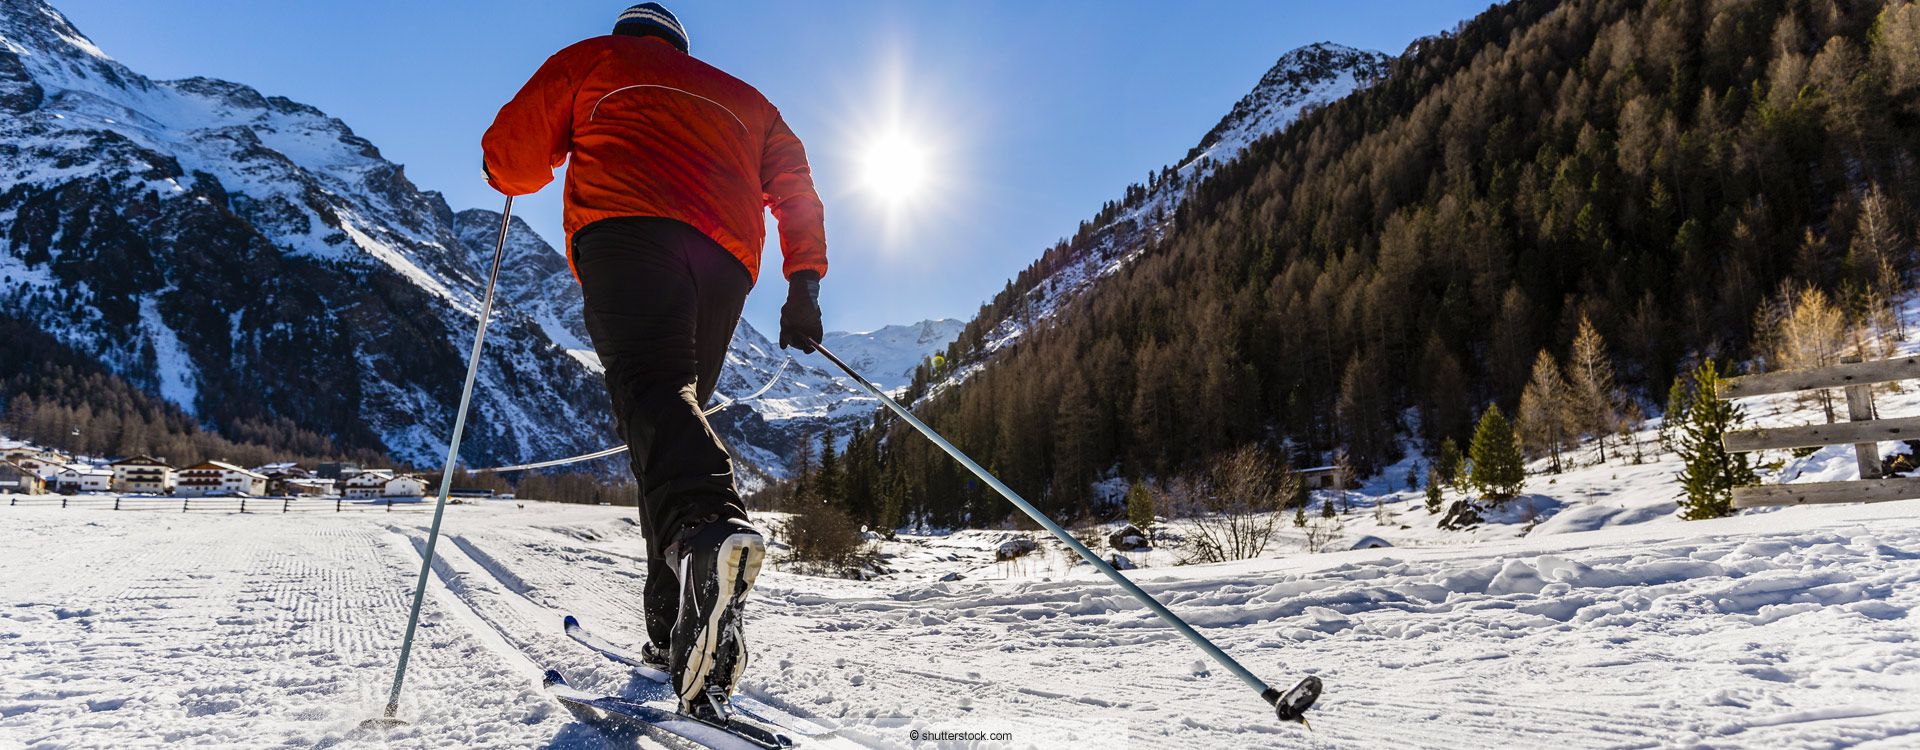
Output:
x,y
671,162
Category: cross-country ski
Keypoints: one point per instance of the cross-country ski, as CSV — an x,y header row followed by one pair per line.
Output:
x,y
802,376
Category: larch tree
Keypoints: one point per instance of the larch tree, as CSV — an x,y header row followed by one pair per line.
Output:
x,y
1596,401
1547,414
1810,336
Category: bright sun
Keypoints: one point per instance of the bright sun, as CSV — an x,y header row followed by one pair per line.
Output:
x,y
895,168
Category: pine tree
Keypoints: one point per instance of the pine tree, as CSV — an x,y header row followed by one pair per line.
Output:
x,y
1590,373
1711,472
1546,411
1451,464
1140,506
1675,414
1498,472
828,481
1435,496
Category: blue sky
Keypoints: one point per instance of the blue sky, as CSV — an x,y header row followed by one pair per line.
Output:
x,y
1030,114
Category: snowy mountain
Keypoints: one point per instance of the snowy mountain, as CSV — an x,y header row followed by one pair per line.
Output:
x,y
889,355
249,257
1307,77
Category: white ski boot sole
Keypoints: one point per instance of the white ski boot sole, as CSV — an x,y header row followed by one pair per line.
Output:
x,y
739,560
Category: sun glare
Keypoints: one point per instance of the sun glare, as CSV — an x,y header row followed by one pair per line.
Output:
x,y
895,168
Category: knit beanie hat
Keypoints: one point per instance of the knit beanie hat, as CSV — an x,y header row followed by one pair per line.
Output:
x,y
651,19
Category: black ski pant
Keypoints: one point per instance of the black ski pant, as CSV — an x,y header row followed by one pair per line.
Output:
x,y
662,300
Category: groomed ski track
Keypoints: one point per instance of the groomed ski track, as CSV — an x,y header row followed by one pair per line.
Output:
x,y
1793,629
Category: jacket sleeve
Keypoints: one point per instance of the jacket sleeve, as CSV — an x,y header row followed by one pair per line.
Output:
x,y
787,184
533,133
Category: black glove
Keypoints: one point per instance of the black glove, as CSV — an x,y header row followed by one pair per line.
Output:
x,y
800,317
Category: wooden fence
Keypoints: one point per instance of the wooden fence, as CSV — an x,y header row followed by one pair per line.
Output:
x,y
1862,430
221,504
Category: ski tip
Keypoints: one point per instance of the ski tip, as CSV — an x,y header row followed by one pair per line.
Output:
x,y
552,678
1293,704
570,622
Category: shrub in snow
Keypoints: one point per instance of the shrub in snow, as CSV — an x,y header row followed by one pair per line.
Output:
x,y
823,539
1235,505
1120,562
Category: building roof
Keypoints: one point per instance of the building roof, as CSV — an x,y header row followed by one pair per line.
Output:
x,y
140,460
85,470
223,466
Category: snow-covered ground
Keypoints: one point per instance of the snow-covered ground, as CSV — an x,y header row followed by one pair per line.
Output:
x,y
1783,629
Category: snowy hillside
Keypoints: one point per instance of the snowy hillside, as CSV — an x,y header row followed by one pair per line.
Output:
x,y
1301,79
250,258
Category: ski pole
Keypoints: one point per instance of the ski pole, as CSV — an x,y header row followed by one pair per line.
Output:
x,y
1291,705
446,474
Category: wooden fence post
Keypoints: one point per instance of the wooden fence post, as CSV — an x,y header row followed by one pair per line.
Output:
x,y
243,503
116,502
336,505
183,504
63,501
286,503
1859,408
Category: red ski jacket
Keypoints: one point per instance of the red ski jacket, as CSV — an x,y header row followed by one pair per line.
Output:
x,y
651,131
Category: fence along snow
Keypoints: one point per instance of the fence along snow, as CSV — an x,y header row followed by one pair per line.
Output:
x,y
1861,430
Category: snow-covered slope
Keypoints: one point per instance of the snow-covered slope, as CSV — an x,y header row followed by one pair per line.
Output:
x,y
1304,78
889,355
252,259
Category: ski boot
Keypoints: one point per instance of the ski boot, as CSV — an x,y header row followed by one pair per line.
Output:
x,y
717,564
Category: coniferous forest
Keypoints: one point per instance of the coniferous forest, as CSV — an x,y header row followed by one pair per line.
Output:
x,y
1654,179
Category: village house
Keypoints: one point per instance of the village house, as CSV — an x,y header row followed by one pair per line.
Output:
x,y
74,479
305,487
219,478
142,474
382,483
337,471
43,463
1320,477
15,480
279,475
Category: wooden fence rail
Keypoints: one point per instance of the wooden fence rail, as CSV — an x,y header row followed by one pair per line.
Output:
x,y
1861,430
248,505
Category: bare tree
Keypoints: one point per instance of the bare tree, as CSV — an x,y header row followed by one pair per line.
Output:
x,y
1235,506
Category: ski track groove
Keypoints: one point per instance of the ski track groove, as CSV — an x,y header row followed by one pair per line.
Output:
x,y
228,631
